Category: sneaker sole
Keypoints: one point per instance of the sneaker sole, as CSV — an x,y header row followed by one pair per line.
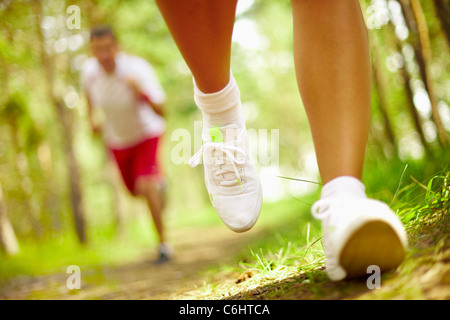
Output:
x,y
255,215
375,243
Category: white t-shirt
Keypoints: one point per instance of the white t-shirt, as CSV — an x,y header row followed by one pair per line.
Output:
x,y
128,120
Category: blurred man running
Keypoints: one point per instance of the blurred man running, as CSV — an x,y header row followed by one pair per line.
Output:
x,y
127,89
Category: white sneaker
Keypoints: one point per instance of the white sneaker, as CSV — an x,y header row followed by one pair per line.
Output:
x,y
358,233
230,177
165,252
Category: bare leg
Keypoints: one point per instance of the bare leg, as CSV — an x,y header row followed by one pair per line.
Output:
x,y
148,188
333,72
202,30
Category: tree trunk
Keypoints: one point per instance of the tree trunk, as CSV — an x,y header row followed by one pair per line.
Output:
x,y
412,108
417,120
112,179
66,128
379,86
76,199
8,240
442,9
424,43
22,171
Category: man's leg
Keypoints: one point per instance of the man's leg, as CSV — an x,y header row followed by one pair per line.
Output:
x,y
333,72
149,188
136,165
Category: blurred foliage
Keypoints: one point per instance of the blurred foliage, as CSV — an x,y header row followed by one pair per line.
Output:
x,y
34,175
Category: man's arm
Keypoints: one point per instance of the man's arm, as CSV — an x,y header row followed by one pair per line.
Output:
x,y
157,107
95,128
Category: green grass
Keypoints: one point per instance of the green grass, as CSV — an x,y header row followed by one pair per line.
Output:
x,y
277,265
53,253
424,203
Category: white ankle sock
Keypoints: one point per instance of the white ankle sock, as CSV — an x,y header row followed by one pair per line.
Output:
x,y
165,248
220,108
344,186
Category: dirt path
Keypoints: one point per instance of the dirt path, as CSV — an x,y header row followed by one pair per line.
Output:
x,y
195,250
425,274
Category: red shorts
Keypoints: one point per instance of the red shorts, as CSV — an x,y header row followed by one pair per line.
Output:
x,y
139,160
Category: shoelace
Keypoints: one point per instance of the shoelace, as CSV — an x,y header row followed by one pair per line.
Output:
x,y
227,166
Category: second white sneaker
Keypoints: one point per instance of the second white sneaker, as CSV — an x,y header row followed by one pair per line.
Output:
x,y
230,176
358,233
